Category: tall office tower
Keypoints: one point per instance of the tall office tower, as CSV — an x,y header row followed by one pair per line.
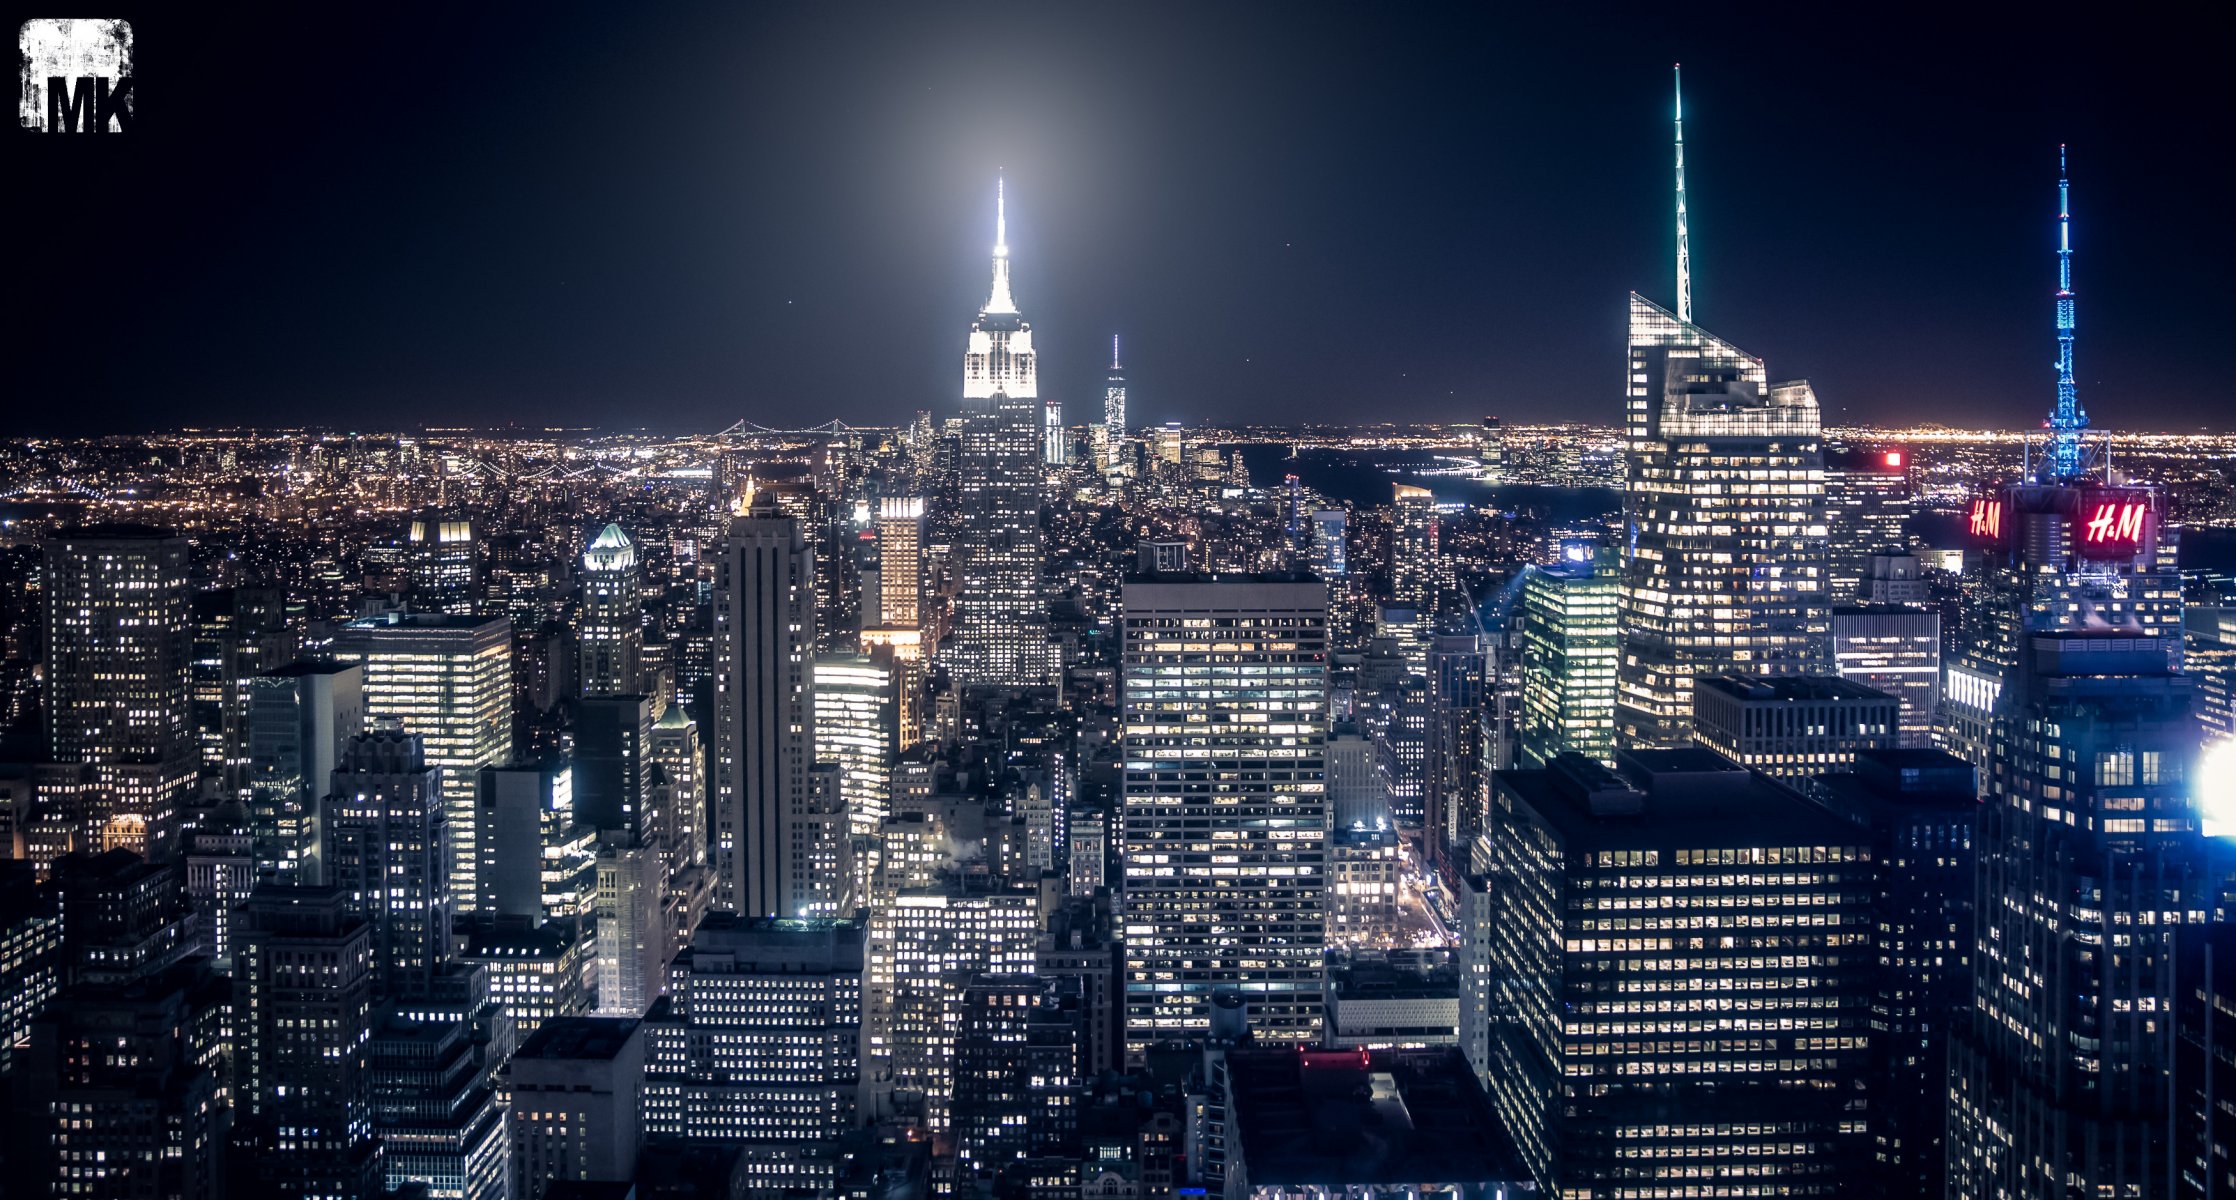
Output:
x,y
1723,500
448,679
119,1091
1793,727
1476,912
1570,650
1895,648
299,718
1490,448
117,674
1678,1060
1460,688
1919,806
764,710
857,727
613,765
220,856
1019,1082
633,931
1114,400
1414,562
610,639
388,850
577,1103
1358,795
1225,680
2091,862
238,633
443,554
900,558
302,1106
1331,554
2059,551
538,863
1002,638
439,1123
680,791
760,1044
123,918
1867,512
928,943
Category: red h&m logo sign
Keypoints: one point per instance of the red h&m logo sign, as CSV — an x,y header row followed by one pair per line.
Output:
x,y
2115,524
1987,519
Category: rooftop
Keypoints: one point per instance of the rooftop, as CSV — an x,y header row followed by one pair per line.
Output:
x,y
1787,687
579,1037
1342,1118
1690,797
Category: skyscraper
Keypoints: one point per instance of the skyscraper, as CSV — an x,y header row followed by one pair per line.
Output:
x,y
1002,636
1895,648
1225,823
1920,807
2091,862
299,718
1114,399
447,678
855,727
610,655
1683,972
304,972
1793,727
388,848
1055,451
1723,501
1414,565
1570,646
443,552
119,649
760,1044
2065,549
900,635
1867,511
764,710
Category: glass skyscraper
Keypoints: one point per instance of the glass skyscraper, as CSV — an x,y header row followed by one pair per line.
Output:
x,y
1569,650
1723,501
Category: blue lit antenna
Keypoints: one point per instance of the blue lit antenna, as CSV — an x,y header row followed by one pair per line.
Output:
x,y
1684,252
2068,419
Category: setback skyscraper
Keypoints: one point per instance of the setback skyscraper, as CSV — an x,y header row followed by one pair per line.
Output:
x,y
610,661
769,859
1002,637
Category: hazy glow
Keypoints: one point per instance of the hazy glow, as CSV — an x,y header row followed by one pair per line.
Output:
x,y
2216,788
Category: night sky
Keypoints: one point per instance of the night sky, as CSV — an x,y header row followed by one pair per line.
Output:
x,y
676,216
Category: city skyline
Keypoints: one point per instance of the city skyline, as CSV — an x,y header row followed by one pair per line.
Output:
x,y
584,276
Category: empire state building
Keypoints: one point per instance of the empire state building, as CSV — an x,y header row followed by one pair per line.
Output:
x,y
1001,638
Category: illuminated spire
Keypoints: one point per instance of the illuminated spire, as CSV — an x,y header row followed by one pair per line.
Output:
x,y
1684,252
1000,301
2068,419
1114,352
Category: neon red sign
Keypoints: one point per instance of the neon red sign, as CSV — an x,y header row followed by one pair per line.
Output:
x,y
2115,524
1987,519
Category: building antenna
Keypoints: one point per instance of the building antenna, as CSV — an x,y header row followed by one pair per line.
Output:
x,y
1114,352
1684,251
2068,419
